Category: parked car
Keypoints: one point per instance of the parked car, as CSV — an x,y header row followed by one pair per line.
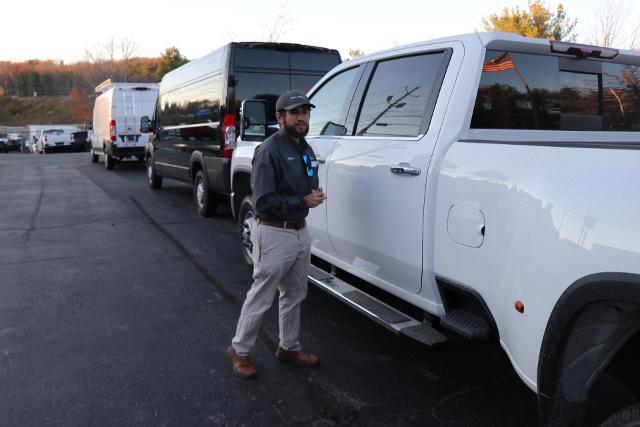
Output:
x,y
14,142
196,120
52,140
487,185
4,143
79,141
116,120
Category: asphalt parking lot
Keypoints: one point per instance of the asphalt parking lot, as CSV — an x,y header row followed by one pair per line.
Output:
x,y
117,304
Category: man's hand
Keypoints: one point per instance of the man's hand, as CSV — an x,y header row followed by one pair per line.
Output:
x,y
315,198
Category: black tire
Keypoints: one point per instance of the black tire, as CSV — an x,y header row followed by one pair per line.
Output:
x,y
246,217
627,417
155,181
206,201
109,161
94,157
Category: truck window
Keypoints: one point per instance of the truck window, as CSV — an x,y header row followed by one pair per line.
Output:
x,y
398,96
526,91
330,101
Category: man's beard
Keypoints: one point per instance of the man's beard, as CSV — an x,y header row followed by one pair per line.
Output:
x,y
291,131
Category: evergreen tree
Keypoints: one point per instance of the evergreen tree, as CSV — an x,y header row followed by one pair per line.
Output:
x,y
170,59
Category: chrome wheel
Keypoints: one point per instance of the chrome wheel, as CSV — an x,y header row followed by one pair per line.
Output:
x,y
200,193
245,234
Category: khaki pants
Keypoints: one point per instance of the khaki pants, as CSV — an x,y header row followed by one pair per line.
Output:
x,y
280,262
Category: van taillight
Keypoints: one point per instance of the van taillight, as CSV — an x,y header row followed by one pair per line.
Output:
x,y
228,135
112,130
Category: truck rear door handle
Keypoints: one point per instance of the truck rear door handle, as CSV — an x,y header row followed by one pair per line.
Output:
x,y
405,170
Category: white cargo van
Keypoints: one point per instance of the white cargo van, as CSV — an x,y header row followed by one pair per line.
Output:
x,y
116,120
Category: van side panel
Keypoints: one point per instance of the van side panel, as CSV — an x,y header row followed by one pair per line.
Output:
x,y
551,216
191,109
101,119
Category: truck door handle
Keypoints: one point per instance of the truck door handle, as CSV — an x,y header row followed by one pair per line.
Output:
x,y
321,159
402,169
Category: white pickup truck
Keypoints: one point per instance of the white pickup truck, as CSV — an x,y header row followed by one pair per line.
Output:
x,y
53,140
492,182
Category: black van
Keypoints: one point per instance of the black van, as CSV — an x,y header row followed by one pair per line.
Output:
x,y
197,115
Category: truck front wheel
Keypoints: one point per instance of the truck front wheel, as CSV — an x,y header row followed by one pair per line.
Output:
x,y
246,221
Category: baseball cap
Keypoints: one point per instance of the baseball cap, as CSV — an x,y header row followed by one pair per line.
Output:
x,y
292,99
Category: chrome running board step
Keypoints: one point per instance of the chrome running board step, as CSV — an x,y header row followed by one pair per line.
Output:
x,y
384,314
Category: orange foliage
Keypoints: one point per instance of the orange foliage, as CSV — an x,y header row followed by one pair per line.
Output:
x,y
79,106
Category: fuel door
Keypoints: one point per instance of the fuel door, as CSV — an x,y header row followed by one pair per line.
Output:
x,y
465,225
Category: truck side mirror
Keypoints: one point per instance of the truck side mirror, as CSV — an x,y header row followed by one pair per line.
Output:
x,y
253,120
144,124
333,129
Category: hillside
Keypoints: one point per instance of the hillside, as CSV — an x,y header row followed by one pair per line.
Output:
x,y
41,110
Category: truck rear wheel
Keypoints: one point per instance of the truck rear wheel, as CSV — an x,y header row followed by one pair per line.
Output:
x,y
627,417
94,157
206,201
246,221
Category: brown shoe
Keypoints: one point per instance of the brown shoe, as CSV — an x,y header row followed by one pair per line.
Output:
x,y
242,366
298,357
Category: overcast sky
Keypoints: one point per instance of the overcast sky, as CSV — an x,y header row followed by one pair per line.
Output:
x,y
64,29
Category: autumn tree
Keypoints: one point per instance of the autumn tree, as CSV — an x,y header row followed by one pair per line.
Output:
x,y
79,106
354,53
536,21
171,58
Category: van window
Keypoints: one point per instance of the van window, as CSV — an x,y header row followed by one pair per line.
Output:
x,y
261,85
330,101
526,91
312,61
397,99
196,103
263,58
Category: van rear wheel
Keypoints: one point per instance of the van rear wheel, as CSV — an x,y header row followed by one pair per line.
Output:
x,y
109,161
206,201
94,157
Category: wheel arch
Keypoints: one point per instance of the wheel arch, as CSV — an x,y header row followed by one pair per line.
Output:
x,y
241,187
197,164
590,323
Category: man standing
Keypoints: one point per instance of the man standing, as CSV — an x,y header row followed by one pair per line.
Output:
x,y
285,185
